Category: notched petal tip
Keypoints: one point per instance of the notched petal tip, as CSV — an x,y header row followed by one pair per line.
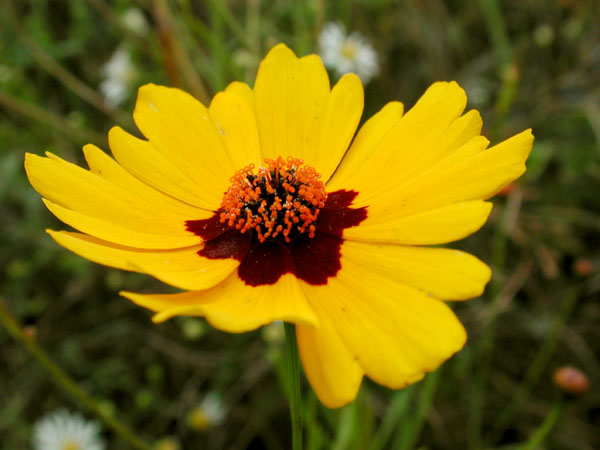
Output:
x,y
485,275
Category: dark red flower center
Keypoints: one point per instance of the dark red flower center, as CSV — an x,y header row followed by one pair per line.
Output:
x,y
279,220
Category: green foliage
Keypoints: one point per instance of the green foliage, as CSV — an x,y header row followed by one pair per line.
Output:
x,y
524,64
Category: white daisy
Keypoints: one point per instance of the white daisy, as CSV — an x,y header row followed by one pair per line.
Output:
x,y
347,53
119,73
209,413
61,430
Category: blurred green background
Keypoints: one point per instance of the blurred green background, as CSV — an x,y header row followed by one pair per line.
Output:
x,y
523,64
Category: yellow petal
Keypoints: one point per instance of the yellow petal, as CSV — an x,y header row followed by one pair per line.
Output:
x,y
234,306
376,164
479,176
118,234
236,123
182,268
145,162
88,202
396,333
460,140
181,129
296,114
242,90
443,273
368,139
338,125
104,166
438,226
331,369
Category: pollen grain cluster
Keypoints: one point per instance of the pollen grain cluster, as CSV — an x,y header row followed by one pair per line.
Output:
x,y
281,200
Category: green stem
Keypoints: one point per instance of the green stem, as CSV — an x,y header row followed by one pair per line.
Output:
x,y
222,8
293,374
58,71
539,364
67,383
538,437
176,35
148,44
492,15
400,406
57,123
408,437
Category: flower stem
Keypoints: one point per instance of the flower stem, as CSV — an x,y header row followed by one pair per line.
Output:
x,y
293,375
538,437
67,383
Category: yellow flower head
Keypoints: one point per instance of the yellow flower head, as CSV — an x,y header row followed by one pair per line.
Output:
x,y
270,205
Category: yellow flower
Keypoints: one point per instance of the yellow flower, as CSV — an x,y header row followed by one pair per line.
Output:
x,y
266,206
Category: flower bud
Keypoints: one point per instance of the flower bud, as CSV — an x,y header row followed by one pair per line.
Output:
x,y
571,380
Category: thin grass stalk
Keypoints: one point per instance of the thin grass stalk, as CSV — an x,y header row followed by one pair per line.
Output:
x,y
253,27
146,45
485,349
410,431
54,121
293,376
537,438
492,15
216,44
346,425
540,363
184,63
222,8
67,383
397,410
70,81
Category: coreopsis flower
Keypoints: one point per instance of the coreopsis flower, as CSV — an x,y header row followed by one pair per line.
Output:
x,y
61,430
119,73
269,205
347,53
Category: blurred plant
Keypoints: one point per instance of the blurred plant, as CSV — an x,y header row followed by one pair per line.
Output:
x,y
584,267
120,75
273,333
62,430
347,53
192,328
167,443
209,413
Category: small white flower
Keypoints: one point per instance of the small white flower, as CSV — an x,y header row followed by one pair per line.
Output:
x,y
347,53
209,413
61,430
134,19
119,73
